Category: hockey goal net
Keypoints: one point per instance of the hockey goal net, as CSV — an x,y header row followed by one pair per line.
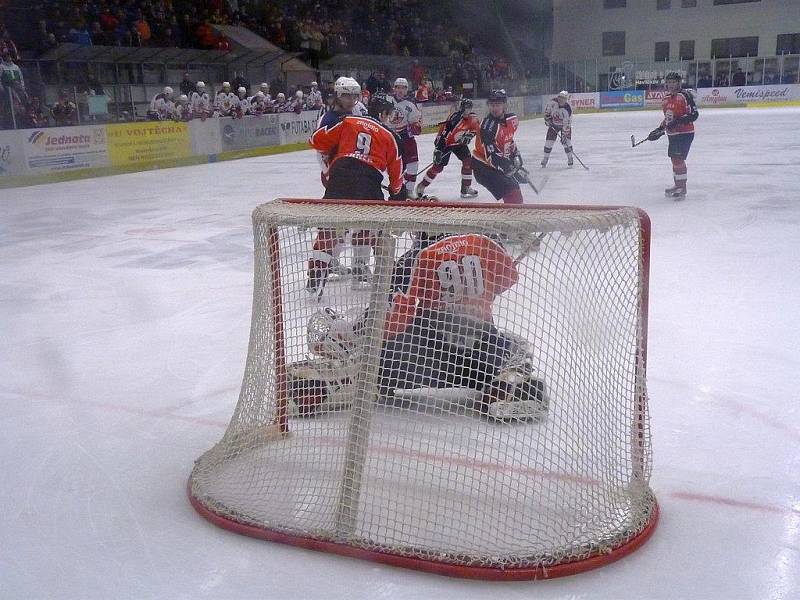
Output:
x,y
511,443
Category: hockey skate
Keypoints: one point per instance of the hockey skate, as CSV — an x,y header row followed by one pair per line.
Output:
x,y
544,161
419,191
675,192
468,192
362,276
570,161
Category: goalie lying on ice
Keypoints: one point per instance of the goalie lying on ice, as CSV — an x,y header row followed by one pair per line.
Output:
x,y
438,333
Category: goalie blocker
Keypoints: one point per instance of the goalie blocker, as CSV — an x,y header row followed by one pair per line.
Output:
x,y
438,334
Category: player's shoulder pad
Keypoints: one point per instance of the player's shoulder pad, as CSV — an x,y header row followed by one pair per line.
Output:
x,y
331,118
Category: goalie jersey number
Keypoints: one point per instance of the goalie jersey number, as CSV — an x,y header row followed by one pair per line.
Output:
x,y
461,278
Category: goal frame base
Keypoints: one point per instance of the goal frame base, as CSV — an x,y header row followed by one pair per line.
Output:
x,y
437,568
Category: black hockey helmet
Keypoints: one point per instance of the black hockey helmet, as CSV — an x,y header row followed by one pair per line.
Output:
x,y
673,76
465,104
379,103
498,96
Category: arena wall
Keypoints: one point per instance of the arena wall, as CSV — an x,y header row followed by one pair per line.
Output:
x,y
32,156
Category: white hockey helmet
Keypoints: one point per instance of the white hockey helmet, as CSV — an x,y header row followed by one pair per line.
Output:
x,y
281,96
298,94
260,95
241,91
313,84
183,98
265,86
200,85
564,94
346,85
226,85
168,91
401,82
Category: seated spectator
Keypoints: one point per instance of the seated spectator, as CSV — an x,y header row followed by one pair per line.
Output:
x,y
739,78
421,95
722,80
143,28
6,43
790,77
78,34
36,115
64,111
771,78
704,81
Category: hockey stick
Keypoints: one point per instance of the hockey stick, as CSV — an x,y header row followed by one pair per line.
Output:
x,y
527,175
634,143
532,246
578,158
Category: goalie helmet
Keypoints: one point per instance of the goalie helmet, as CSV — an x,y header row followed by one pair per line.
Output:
x,y
346,85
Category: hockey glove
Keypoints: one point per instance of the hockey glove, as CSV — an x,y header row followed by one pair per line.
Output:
x,y
438,155
415,128
678,122
655,134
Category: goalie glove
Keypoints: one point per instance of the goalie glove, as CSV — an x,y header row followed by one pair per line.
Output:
x,y
512,165
655,134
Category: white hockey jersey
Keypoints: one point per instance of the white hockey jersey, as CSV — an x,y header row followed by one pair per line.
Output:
x,y
183,112
200,103
225,102
162,107
259,106
558,116
407,118
243,106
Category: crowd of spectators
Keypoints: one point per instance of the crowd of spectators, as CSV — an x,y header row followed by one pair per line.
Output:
x,y
157,23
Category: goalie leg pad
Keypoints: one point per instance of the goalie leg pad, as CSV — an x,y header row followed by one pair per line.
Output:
x,y
515,396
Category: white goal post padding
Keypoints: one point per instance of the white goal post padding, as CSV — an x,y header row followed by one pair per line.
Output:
x,y
321,453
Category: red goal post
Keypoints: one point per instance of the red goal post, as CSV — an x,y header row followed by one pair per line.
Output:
x,y
432,482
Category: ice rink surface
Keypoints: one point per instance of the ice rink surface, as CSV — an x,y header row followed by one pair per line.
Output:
x,y
125,320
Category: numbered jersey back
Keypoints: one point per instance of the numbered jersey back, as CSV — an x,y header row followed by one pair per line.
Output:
x,y
461,274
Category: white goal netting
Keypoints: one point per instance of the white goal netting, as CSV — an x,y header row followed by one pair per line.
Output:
x,y
473,403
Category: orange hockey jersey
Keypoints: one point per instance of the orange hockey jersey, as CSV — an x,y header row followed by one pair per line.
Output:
x,y
495,141
460,273
365,139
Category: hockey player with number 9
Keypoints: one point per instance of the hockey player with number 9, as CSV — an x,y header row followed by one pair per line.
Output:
x,y
358,150
439,331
